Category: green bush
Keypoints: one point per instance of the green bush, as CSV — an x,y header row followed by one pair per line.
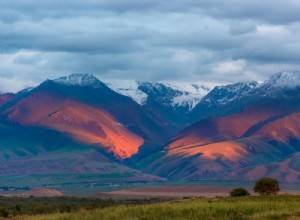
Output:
x,y
237,192
266,186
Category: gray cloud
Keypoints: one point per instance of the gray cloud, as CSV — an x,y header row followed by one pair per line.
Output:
x,y
281,11
211,41
274,12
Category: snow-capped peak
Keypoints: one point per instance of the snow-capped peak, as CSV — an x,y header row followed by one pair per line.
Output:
x,y
187,87
80,79
225,94
170,93
283,80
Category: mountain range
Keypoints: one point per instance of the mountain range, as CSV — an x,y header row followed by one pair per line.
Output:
x,y
82,129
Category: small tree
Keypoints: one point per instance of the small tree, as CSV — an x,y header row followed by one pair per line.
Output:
x,y
266,186
237,192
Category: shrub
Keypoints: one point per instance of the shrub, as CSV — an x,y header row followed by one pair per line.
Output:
x,y
237,192
266,186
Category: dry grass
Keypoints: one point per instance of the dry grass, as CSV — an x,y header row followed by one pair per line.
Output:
x,y
255,207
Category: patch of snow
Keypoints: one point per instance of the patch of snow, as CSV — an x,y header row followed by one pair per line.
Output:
x,y
192,93
177,94
190,100
128,88
187,87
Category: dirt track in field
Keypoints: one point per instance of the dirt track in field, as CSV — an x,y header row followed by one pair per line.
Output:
x,y
168,192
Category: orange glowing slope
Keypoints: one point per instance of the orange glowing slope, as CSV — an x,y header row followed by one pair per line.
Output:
x,y
82,122
228,149
222,148
214,130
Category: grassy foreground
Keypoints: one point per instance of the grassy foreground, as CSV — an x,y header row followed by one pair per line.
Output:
x,y
255,207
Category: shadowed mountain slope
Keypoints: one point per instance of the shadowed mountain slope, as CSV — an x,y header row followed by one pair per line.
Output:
x,y
33,155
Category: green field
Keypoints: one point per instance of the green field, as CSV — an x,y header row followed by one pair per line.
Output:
x,y
254,207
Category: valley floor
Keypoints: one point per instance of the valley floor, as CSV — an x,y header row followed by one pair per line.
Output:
x,y
168,192
283,207
178,192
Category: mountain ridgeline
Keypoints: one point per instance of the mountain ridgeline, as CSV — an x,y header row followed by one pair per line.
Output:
x,y
141,131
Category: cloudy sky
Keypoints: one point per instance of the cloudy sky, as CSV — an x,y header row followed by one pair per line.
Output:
x,y
219,41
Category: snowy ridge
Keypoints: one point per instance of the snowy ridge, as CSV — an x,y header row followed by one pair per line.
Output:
x,y
79,79
188,95
168,93
222,95
171,93
128,88
272,87
282,80
191,95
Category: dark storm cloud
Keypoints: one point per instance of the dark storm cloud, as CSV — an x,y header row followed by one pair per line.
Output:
x,y
216,41
71,35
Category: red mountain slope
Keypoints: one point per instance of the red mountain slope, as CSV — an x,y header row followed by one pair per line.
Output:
x,y
214,130
283,129
82,122
223,148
